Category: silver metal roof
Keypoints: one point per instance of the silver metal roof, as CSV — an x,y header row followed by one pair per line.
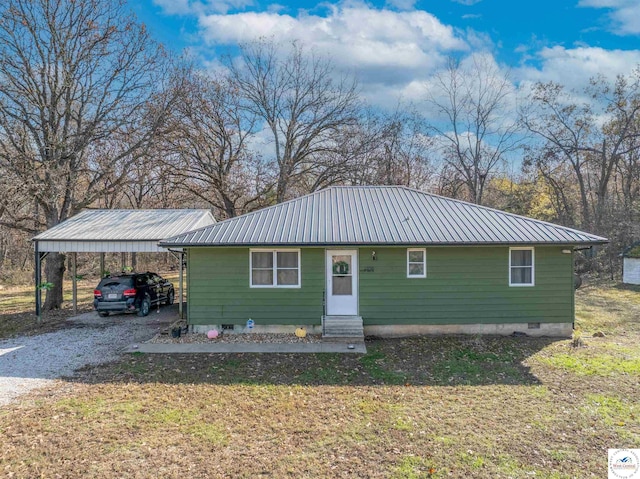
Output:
x,y
127,225
378,215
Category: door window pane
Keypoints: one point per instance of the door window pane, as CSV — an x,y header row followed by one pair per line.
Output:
x,y
342,286
341,264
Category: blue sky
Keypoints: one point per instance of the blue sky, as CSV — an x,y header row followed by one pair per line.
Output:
x,y
395,46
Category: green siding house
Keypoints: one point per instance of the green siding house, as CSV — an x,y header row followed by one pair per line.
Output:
x,y
387,261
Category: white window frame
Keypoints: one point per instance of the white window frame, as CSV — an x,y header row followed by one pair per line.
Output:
x,y
533,266
274,251
424,263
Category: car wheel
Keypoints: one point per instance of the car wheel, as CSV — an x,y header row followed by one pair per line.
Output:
x,y
103,314
145,306
171,298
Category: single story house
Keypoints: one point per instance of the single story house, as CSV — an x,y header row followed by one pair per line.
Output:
x,y
392,260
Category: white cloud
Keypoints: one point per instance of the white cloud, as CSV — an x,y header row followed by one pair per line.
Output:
x,y
383,46
393,53
624,14
575,66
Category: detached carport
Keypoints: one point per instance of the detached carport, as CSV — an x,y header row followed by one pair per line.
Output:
x,y
116,231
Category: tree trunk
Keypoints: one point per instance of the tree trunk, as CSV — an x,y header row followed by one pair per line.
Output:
x,y
584,201
54,272
283,186
229,206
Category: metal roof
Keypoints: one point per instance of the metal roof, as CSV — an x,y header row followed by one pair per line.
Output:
x,y
109,227
379,215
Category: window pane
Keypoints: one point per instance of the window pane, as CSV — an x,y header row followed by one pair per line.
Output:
x,y
416,269
342,286
521,257
416,256
521,275
287,276
287,259
262,259
341,264
262,277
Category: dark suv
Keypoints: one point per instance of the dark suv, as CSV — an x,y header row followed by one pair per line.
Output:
x,y
132,292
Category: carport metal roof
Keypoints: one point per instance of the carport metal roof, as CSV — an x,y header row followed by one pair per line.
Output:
x,y
121,231
115,231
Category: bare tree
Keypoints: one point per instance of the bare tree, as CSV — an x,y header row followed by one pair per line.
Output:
x,y
380,148
391,149
207,138
300,101
476,124
595,138
77,80
565,127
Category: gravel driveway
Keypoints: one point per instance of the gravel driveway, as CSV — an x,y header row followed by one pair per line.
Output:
x,y
29,362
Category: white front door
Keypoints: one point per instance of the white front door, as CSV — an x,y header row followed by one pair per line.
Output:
x,y
342,282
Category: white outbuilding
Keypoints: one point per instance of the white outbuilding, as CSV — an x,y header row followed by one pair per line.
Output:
x,y
631,264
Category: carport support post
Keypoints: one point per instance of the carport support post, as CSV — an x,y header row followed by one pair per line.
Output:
x,y
38,280
101,265
74,281
181,256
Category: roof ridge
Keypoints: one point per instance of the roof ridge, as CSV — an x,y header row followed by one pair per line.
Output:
x,y
144,209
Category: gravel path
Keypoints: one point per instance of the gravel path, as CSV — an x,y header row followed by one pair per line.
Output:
x,y
29,362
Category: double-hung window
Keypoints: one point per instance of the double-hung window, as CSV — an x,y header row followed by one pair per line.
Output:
x,y
521,267
275,268
416,263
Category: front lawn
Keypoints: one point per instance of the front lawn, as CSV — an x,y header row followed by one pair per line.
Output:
x,y
415,408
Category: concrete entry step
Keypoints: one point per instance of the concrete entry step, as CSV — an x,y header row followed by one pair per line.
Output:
x,y
342,328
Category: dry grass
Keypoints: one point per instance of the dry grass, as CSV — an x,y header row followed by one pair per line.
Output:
x,y
609,307
416,408
17,309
